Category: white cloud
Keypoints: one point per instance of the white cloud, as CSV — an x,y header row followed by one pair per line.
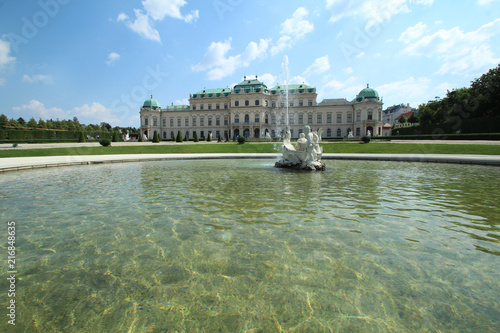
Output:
x,y
413,32
298,80
183,101
373,11
461,53
319,66
268,79
141,25
5,59
293,29
38,78
156,10
340,89
38,110
410,88
94,113
360,55
348,70
484,2
112,58
220,65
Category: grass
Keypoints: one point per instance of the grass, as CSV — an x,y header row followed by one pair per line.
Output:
x,y
186,148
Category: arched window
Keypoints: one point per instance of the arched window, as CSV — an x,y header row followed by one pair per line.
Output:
x,y
329,133
164,135
237,103
247,118
257,102
257,118
247,103
339,132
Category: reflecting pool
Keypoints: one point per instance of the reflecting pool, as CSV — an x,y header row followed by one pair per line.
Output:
x,y
240,246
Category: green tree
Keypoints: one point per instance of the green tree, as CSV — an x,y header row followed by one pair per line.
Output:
x,y
41,123
178,138
32,123
219,139
209,137
139,139
115,137
3,120
49,124
195,137
21,121
81,138
402,119
413,118
14,123
186,137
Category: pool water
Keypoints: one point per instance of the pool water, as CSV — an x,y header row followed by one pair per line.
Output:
x,y
240,246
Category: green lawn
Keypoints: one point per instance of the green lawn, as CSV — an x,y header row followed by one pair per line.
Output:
x,y
343,147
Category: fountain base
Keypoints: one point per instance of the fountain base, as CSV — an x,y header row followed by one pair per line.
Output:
x,y
316,166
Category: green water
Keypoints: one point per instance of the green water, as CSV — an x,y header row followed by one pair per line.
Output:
x,y
240,246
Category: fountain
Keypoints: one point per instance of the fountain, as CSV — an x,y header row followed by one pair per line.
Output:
x,y
306,155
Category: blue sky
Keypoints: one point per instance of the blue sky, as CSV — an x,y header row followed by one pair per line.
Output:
x,y
99,60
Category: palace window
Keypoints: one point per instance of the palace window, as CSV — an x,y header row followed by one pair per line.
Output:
x,y
291,104
349,118
257,118
187,134
202,107
301,119
194,107
178,122
225,105
146,121
210,106
194,121
186,122
165,124
202,121
236,119
273,121
301,103
164,135
172,135
209,121
217,106
358,117
171,122
319,118
247,103
309,118
370,115
329,118
358,131
291,119
339,118
329,133
257,102
217,121
217,134
225,120
339,132
310,103
237,103
155,121
247,118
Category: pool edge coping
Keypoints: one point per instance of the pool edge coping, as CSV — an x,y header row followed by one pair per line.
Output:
x,y
36,162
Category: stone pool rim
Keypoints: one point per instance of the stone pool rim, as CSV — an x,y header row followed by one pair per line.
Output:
x,y
25,163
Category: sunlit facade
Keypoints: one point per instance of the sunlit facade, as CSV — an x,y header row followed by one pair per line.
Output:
x,y
257,112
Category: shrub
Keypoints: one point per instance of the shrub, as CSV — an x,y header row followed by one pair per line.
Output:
x,y
81,138
140,137
241,140
209,137
178,137
219,138
115,137
365,139
105,142
195,138
156,137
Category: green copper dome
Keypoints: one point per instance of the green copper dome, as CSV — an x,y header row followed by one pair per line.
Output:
x,y
151,104
367,93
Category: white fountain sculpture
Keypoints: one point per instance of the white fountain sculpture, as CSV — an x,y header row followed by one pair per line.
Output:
x,y
306,155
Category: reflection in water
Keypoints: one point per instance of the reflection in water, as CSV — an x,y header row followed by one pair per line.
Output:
x,y
236,246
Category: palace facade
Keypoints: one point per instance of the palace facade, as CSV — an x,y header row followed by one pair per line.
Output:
x,y
254,111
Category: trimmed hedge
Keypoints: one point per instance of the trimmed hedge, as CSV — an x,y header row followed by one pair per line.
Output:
x,y
466,126
38,135
439,136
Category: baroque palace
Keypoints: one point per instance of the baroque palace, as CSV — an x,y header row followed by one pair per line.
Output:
x,y
254,111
